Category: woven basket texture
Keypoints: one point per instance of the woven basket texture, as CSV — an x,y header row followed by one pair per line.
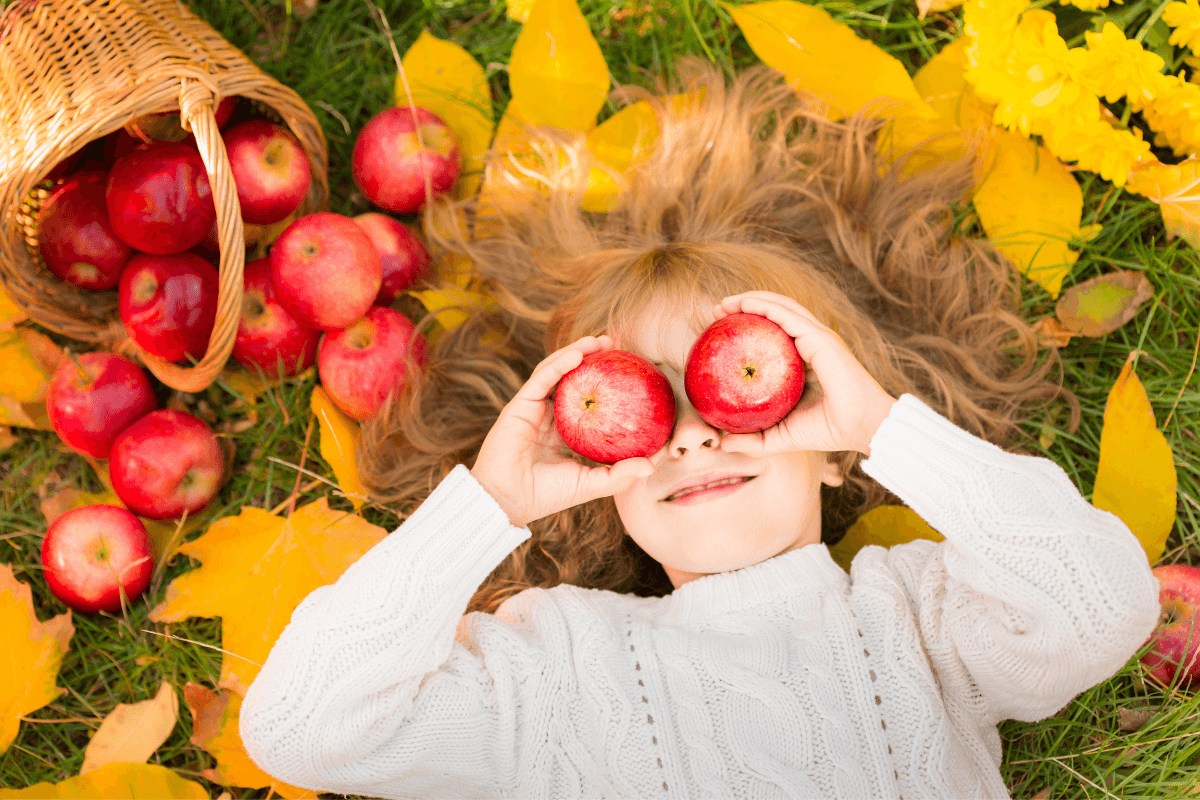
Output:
x,y
72,71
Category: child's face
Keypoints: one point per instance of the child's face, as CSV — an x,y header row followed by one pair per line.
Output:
x,y
778,509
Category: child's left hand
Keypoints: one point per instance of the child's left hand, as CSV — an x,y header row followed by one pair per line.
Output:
x,y
840,410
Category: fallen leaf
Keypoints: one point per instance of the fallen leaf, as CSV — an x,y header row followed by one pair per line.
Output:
x,y
116,782
942,83
451,305
1051,332
31,653
7,439
556,72
1136,478
10,312
1130,719
886,526
339,444
255,570
1102,304
936,6
616,144
1176,189
1044,794
132,732
215,728
29,360
518,10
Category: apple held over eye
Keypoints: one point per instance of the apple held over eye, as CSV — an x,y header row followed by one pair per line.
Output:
x,y
158,198
389,163
361,364
169,304
743,374
614,405
166,463
402,256
90,554
90,404
270,170
268,336
1175,653
75,238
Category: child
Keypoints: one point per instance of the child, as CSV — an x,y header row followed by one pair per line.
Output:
x,y
766,671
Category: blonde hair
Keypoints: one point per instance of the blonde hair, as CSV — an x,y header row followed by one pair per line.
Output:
x,y
745,188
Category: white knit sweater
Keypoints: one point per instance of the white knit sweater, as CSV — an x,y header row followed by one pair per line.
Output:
x,y
788,678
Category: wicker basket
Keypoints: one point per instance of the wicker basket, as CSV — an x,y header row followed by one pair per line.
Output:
x,y
72,71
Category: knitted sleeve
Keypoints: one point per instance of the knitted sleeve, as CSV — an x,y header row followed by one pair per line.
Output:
x,y
1035,594
366,690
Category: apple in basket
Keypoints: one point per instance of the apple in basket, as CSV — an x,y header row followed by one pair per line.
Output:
x,y
614,405
268,336
390,160
361,364
166,463
90,554
743,374
159,199
95,397
75,238
169,304
401,254
270,170
1175,653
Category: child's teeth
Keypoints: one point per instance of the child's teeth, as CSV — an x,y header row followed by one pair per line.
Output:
x,y
691,489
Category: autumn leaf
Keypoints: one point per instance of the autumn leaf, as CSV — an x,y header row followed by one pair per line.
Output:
x,y
941,82
518,10
925,6
248,385
1102,304
29,360
886,526
10,312
1050,331
7,439
1136,477
31,653
255,569
339,444
215,728
451,305
116,782
132,732
616,144
1176,189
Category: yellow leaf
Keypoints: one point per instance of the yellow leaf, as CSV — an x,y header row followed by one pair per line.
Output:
x,y
116,782
518,10
256,568
1102,304
25,379
925,6
620,141
886,526
1176,189
1030,206
451,304
10,313
31,653
1136,477
132,732
942,83
820,55
556,71
448,81
339,444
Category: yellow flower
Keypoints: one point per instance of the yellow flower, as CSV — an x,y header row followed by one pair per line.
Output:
x,y
1185,19
1088,5
988,26
1098,147
1175,116
1119,67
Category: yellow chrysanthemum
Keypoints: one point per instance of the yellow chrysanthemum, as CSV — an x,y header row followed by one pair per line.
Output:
x,y
1185,19
1098,147
1088,5
988,26
1175,116
1118,67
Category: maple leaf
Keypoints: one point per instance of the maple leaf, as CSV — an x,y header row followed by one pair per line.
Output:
x,y
339,444
132,731
256,568
885,526
116,782
1176,189
31,653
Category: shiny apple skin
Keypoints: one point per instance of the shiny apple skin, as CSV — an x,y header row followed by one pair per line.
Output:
x,y
360,365
270,170
268,337
75,238
326,271
1177,637
88,414
169,304
91,552
743,374
402,256
389,164
159,200
614,405
166,463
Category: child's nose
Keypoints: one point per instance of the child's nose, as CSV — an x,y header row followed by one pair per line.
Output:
x,y
691,432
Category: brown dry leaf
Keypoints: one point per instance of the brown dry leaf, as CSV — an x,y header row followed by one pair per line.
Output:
x,y
1044,794
1131,719
31,652
256,568
132,732
885,526
1051,332
1102,304
116,782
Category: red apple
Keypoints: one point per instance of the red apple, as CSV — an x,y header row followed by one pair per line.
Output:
x,y
743,374
75,238
614,405
1177,637
91,553
268,336
325,270
159,200
270,170
401,254
389,164
169,304
360,365
88,409
166,463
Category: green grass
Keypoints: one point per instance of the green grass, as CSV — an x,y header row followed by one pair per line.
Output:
x,y
339,61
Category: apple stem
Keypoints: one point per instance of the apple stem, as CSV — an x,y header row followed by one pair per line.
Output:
x,y
83,373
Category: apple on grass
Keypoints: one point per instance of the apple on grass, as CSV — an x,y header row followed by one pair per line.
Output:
x,y
166,463
1175,653
361,364
75,238
743,374
90,554
270,170
614,405
390,165
401,255
169,304
268,337
159,199
95,397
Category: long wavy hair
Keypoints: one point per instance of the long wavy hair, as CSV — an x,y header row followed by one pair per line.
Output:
x,y
746,187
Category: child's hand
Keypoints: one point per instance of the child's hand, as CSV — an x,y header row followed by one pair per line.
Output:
x,y
840,410
522,462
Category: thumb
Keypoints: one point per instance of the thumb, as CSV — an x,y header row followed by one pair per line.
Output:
x,y
605,481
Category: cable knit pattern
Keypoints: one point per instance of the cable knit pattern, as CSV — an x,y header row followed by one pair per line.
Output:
x,y
785,679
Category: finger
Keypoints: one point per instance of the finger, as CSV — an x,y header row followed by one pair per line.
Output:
x,y
812,338
749,443
606,481
547,374
733,304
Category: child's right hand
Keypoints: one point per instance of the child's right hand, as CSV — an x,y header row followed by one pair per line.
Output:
x,y
523,462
